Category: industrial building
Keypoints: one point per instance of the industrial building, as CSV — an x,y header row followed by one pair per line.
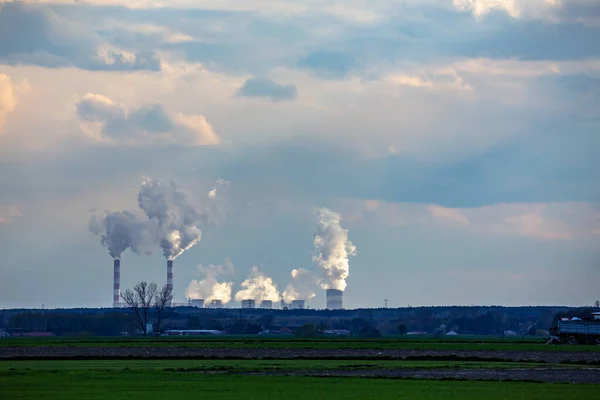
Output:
x,y
191,332
216,304
266,304
198,303
334,299
249,303
298,304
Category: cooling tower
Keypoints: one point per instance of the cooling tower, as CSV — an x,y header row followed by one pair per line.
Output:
x,y
334,299
170,278
198,303
266,304
216,304
298,304
117,283
248,303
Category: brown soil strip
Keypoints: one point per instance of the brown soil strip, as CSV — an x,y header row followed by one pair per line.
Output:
x,y
67,352
527,375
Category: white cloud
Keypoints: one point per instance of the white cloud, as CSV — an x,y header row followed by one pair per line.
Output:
x,y
353,13
446,78
512,68
514,8
584,12
8,99
549,221
164,34
554,221
449,214
149,124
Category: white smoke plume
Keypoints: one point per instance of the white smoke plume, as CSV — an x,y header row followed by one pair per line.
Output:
x,y
209,288
334,248
119,231
175,213
302,286
258,287
173,216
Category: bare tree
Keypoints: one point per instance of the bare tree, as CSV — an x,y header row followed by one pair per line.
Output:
x,y
140,299
162,300
597,303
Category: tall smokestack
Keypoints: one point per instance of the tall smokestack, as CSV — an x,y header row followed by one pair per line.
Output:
x,y
334,299
117,283
170,278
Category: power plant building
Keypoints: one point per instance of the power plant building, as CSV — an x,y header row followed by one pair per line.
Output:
x,y
248,303
198,303
298,304
268,304
216,304
334,299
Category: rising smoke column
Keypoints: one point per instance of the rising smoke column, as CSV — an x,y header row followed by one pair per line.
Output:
x,y
121,230
334,248
302,286
258,287
209,288
175,214
171,220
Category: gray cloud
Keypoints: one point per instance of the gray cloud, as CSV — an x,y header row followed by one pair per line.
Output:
x,y
582,83
261,87
329,64
99,37
8,213
582,11
147,124
532,40
564,168
33,34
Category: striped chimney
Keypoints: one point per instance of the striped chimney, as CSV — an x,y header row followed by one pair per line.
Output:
x,y
117,283
170,276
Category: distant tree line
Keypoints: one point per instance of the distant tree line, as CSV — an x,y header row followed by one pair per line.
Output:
x,y
149,306
68,324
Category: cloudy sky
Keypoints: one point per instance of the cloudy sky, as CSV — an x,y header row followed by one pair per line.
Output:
x,y
458,140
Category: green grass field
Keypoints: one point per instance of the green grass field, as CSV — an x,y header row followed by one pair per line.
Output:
x,y
164,385
228,379
476,343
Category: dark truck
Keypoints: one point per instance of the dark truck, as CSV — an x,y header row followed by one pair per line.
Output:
x,y
578,331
